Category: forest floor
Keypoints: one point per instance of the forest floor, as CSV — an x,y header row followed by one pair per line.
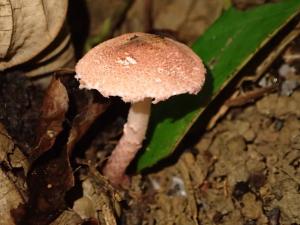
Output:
x,y
244,169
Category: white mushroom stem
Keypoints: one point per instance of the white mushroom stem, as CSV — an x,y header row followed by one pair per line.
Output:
x,y
133,135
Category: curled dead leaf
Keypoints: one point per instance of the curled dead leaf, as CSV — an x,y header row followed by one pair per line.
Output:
x,y
54,108
34,30
51,175
83,121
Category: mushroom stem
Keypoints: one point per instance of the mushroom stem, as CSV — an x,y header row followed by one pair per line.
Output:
x,y
133,135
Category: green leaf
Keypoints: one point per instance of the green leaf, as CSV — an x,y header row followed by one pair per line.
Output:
x,y
225,48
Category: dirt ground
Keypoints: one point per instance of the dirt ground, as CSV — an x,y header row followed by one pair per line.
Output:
x,y
244,170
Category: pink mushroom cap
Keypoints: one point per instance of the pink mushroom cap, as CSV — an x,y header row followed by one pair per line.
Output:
x,y
136,66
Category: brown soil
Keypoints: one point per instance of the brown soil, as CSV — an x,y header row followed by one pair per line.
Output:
x,y
244,171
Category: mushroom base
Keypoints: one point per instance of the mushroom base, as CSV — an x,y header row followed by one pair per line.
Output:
x,y
133,135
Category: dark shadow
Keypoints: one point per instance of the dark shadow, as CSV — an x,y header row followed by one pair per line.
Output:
x,y
79,23
107,123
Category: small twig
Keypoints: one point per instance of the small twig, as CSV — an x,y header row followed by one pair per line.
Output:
x,y
239,100
248,97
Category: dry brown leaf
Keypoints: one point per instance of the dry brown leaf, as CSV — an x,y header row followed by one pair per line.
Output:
x,y
192,17
11,195
48,182
68,217
18,160
99,201
31,21
83,121
51,175
10,198
54,108
12,158
6,145
10,154
30,27
85,208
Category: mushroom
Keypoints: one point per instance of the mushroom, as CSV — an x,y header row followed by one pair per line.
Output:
x,y
140,68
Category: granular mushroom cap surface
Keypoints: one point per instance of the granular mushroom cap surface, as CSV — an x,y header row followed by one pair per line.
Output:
x,y
136,66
